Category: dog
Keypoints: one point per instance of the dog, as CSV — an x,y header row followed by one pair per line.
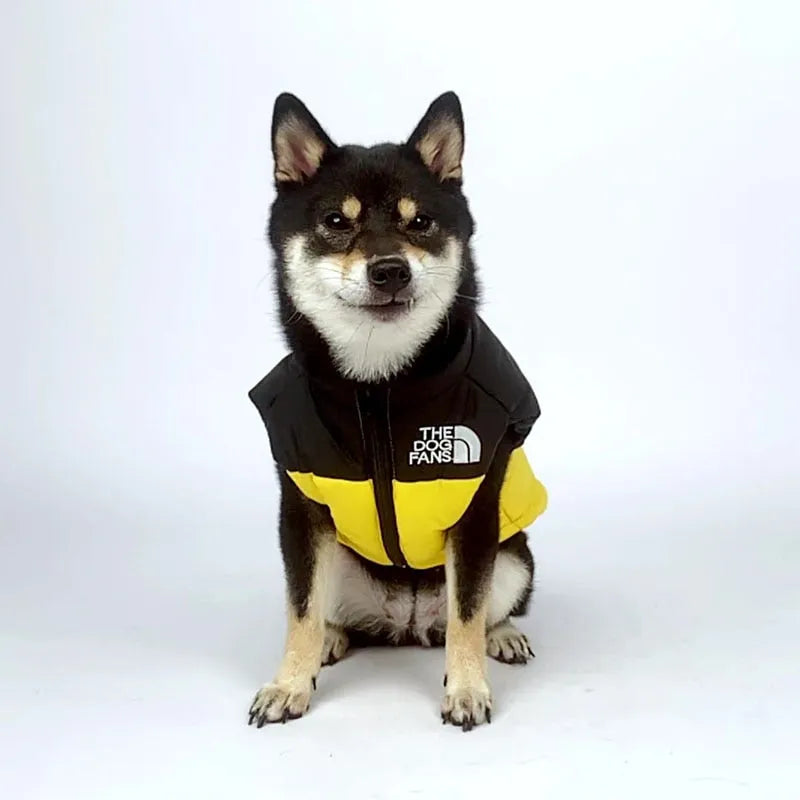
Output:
x,y
396,421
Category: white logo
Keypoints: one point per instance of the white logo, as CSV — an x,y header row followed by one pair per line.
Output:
x,y
445,444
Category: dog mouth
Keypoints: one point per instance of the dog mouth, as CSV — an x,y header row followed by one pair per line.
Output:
x,y
386,310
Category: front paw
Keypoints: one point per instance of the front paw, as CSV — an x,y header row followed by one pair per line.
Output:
x,y
280,701
467,706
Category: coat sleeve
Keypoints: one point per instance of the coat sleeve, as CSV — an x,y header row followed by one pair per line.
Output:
x,y
267,396
495,369
524,413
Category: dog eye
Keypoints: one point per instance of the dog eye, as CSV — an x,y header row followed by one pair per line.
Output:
x,y
420,224
337,222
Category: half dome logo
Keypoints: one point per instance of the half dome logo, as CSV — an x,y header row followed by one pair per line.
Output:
x,y
445,444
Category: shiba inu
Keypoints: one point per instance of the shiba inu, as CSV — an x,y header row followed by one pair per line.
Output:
x,y
396,421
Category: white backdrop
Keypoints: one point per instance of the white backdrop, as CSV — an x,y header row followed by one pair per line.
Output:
x,y
635,174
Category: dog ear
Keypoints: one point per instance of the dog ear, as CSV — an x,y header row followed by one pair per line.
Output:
x,y
298,141
439,137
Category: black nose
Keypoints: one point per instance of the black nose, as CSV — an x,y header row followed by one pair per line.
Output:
x,y
390,275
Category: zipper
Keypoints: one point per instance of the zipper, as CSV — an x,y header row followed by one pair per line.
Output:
x,y
373,412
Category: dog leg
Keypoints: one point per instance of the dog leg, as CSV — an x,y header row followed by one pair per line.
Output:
x,y
308,546
470,554
468,700
512,584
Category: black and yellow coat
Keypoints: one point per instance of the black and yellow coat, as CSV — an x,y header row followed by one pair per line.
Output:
x,y
398,463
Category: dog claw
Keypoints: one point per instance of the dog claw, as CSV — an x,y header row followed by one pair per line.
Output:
x,y
508,645
336,646
467,709
279,702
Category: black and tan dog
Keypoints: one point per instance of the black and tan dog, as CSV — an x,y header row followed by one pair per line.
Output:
x,y
397,420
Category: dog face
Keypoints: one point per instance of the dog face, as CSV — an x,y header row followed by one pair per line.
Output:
x,y
371,243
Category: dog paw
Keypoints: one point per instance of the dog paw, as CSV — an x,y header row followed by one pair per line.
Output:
x,y
279,702
336,644
505,643
467,707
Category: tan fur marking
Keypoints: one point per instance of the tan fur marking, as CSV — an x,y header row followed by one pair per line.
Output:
x,y
466,650
306,635
346,261
407,208
411,251
351,207
441,149
465,641
291,139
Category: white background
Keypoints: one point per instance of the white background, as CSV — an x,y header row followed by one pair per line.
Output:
x,y
634,169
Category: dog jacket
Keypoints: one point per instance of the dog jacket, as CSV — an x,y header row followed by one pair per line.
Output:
x,y
398,463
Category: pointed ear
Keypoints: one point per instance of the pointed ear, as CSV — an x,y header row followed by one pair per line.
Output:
x,y
439,137
298,142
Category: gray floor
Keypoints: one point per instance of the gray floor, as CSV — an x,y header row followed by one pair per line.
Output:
x,y
667,650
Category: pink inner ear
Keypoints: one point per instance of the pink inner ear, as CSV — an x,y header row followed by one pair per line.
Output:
x,y
300,158
437,161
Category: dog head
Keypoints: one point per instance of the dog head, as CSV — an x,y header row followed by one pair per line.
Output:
x,y
372,244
